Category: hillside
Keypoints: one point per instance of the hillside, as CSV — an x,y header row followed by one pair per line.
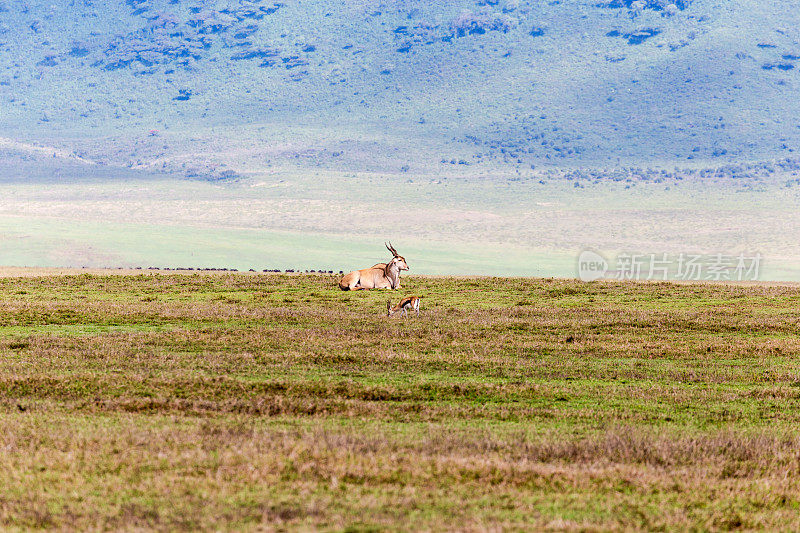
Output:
x,y
458,87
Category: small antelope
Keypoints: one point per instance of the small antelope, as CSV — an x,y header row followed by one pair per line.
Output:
x,y
380,276
406,304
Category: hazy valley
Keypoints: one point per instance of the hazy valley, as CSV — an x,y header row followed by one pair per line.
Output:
x,y
529,130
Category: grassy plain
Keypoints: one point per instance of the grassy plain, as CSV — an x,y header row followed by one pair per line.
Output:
x,y
489,225
241,401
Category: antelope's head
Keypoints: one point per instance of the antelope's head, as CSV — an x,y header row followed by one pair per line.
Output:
x,y
398,259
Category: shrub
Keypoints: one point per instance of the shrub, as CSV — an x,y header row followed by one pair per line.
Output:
x,y
479,22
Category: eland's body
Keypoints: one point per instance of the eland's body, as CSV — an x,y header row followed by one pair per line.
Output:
x,y
380,276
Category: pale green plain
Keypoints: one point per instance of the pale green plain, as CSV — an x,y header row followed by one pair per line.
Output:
x,y
43,242
331,221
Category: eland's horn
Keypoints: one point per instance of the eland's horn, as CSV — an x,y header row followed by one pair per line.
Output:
x,y
391,249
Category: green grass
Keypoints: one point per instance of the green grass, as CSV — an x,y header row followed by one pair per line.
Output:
x,y
181,402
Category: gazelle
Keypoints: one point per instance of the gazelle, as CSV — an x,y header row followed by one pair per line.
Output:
x,y
405,305
380,276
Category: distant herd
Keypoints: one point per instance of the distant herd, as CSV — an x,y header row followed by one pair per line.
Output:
x,y
214,269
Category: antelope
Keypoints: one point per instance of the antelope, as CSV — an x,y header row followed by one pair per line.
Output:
x,y
405,305
380,276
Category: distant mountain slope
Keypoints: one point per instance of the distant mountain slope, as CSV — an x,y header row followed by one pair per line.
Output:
x,y
489,82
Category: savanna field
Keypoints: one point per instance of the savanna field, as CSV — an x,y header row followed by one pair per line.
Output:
x,y
270,401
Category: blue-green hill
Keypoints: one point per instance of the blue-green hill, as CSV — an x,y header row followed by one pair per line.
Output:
x,y
457,84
